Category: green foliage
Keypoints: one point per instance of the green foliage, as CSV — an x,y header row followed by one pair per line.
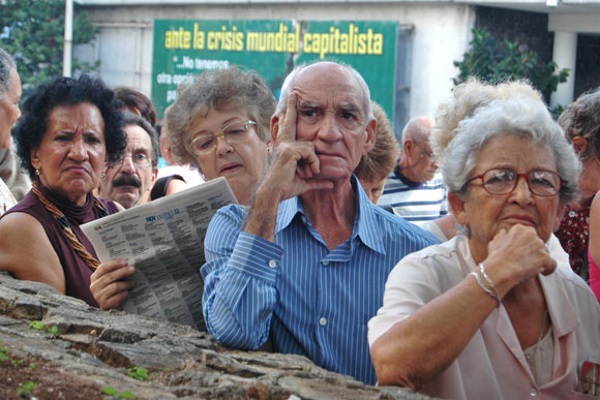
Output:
x,y
36,325
115,394
139,373
494,61
4,352
26,389
32,31
39,325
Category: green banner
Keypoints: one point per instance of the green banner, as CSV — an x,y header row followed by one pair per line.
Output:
x,y
184,48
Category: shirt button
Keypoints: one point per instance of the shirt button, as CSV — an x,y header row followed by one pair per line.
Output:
x,y
303,219
323,321
272,263
533,392
572,214
325,262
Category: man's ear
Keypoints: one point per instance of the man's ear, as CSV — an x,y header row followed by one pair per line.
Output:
x,y
408,148
154,174
371,136
274,128
580,144
457,208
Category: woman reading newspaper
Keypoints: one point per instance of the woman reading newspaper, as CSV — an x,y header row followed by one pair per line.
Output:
x,y
219,123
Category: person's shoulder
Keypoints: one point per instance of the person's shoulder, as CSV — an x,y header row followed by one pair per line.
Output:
x,y
572,281
577,289
160,188
21,223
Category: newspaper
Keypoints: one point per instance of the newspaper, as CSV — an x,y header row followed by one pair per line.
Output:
x,y
164,239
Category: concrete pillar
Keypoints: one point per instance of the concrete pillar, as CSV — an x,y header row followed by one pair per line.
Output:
x,y
564,55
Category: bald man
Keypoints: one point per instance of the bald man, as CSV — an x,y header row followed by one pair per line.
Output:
x,y
306,263
415,190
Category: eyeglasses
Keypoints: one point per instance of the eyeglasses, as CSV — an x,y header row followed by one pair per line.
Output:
x,y
424,152
140,160
541,182
233,133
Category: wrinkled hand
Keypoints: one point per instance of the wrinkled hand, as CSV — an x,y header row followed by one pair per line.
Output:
x,y
109,285
295,164
520,254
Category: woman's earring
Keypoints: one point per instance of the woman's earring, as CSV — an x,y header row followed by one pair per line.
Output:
x,y
103,175
37,172
269,150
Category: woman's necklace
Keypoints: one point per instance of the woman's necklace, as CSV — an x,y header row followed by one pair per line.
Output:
x,y
89,259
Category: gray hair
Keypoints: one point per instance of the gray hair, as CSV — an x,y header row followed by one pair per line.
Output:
x,y
134,119
7,64
519,116
286,88
467,98
582,118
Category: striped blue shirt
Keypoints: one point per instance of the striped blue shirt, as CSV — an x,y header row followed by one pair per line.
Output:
x,y
415,203
306,299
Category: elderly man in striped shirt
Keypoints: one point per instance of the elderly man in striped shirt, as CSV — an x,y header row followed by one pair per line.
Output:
x,y
305,266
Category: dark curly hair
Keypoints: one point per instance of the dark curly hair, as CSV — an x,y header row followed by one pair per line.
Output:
x,y
62,91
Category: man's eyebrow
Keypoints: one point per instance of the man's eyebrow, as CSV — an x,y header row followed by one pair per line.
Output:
x,y
308,104
350,107
138,150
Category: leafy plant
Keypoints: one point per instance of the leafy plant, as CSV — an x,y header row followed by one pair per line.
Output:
x,y
32,31
139,373
39,326
493,60
26,389
4,352
53,330
115,394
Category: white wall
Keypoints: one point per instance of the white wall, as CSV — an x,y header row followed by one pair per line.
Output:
x,y
440,37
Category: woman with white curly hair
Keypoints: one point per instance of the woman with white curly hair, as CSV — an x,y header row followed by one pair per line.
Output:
x,y
488,314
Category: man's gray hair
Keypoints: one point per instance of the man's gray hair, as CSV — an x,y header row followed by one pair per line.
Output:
x,y
7,64
286,88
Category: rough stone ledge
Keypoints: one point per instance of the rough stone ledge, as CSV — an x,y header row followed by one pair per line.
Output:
x,y
93,349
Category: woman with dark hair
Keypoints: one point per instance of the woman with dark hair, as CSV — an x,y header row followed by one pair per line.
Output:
x,y
68,130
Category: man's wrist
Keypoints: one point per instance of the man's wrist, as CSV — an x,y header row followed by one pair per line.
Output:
x,y
263,214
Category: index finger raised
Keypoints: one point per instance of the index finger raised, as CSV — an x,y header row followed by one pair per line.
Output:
x,y
287,126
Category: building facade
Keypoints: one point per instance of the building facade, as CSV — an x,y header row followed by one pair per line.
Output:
x,y
436,34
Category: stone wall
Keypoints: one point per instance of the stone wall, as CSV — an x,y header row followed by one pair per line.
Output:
x,y
78,352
